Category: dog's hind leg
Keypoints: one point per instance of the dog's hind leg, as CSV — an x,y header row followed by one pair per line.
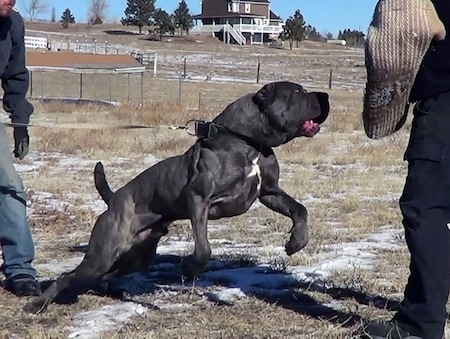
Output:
x,y
109,239
279,201
141,254
74,281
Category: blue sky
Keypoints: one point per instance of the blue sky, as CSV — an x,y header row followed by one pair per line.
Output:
x,y
325,15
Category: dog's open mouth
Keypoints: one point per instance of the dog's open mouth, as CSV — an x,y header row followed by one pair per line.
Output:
x,y
310,128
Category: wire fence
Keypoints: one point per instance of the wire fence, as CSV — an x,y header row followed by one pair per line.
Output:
x,y
135,88
197,79
102,86
90,46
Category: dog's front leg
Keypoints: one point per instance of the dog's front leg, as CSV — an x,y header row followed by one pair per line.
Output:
x,y
279,201
195,263
198,204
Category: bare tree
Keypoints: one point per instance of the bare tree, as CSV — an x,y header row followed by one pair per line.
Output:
x,y
97,11
53,15
35,7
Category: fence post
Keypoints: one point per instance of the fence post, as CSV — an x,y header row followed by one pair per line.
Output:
x,y
142,88
81,85
42,85
128,87
184,68
155,63
258,70
106,47
330,79
179,89
110,87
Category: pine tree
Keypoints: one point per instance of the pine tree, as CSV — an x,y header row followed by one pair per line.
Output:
x,y
164,22
139,13
183,18
352,37
67,18
294,29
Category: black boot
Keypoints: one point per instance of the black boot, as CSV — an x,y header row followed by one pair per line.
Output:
x,y
23,285
384,330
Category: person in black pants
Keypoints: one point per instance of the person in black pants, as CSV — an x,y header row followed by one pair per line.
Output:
x,y
425,201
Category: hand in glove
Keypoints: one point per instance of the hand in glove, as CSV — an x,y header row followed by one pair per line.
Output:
x,y
21,142
398,38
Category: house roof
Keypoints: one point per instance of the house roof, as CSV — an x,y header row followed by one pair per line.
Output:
x,y
273,16
228,15
259,1
80,60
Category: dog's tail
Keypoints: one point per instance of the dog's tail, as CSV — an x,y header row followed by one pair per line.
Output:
x,y
101,184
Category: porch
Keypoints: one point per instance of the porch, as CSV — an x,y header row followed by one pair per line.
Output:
x,y
250,30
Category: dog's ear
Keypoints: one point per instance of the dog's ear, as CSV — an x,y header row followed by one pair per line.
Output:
x,y
324,106
266,95
266,99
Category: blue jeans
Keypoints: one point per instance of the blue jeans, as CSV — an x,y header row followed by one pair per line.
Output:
x,y
15,235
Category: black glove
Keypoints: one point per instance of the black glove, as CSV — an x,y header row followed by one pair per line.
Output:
x,y
21,142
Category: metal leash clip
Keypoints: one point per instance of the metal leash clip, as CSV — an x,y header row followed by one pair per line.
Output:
x,y
200,128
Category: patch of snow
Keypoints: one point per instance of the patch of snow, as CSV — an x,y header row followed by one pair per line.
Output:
x,y
344,256
226,296
91,324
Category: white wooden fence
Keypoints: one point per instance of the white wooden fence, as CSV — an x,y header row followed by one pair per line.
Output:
x,y
36,42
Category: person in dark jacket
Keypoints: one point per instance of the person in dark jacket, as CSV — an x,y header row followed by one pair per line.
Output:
x,y
15,235
425,201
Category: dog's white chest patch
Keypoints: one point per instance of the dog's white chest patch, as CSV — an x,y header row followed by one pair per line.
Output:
x,y
256,171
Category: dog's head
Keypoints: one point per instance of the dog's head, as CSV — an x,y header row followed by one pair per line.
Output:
x,y
291,110
277,113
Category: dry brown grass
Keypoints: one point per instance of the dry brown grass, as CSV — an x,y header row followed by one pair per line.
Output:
x,y
349,184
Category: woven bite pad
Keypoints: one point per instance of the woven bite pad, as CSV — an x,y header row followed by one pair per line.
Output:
x,y
398,37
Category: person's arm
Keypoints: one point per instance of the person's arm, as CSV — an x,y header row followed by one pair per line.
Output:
x,y
15,78
398,38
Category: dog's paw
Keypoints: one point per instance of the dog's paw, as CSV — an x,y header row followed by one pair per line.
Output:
x,y
36,306
190,267
298,240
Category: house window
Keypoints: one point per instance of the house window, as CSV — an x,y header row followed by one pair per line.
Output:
x,y
233,7
247,8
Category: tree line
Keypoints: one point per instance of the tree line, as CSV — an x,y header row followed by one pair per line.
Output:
x,y
295,30
141,13
138,13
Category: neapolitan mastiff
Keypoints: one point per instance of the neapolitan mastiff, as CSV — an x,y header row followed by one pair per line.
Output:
x,y
219,176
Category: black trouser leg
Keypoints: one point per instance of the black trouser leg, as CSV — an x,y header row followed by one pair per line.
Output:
x,y
425,205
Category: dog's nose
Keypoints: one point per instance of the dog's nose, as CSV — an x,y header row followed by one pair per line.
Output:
x,y
320,102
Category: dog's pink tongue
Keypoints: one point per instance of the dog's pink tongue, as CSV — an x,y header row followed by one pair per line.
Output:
x,y
309,125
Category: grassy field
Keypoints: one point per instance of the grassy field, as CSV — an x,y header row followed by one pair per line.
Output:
x,y
354,268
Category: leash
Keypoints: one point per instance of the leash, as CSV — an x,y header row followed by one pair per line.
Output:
x,y
199,128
